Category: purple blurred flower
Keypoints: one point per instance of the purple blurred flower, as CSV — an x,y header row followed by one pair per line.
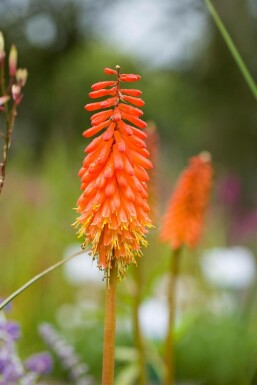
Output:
x,y
66,354
13,329
245,226
40,363
229,190
13,370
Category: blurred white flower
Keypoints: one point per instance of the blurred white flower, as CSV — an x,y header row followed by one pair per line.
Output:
x,y
229,267
153,315
41,30
81,269
68,316
222,303
78,314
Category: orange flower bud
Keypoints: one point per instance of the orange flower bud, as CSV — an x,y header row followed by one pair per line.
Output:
x,y
102,92
109,71
130,78
137,101
101,85
131,92
104,104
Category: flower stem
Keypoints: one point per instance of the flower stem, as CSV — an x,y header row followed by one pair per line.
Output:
x,y
36,278
8,137
169,341
139,343
232,48
9,118
109,328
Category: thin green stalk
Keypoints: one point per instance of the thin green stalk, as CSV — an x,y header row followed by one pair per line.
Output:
x,y
169,340
36,278
109,328
139,342
232,48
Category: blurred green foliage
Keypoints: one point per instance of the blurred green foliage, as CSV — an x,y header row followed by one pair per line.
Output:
x,y
203,106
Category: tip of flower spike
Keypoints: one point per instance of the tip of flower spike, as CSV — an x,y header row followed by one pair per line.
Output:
x,y
205,156
117,67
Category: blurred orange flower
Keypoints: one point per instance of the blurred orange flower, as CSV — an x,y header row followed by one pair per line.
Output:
x,y
183,222
113,206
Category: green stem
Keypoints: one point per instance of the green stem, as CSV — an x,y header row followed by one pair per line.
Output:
x,y
169,341
139,342
232,48
36,278
109,328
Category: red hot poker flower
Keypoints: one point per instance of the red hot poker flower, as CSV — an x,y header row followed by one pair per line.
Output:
x,y
113,206
183,221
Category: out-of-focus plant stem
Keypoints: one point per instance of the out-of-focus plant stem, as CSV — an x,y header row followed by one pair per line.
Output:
x,y
169,340
139,342
109,328
36,278
232,48
9,118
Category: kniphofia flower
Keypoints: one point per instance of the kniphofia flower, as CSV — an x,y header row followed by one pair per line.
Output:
x,y
113,206
183,222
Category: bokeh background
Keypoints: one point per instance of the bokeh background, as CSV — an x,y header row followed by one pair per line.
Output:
x,y
197,100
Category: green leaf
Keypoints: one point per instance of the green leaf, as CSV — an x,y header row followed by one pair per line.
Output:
x,y
127,354
128,375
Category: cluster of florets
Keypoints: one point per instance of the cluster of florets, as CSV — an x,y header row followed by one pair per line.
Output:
x,y
113,206
11,90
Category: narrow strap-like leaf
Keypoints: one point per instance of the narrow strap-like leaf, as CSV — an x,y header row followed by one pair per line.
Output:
x,y
36,278
232,48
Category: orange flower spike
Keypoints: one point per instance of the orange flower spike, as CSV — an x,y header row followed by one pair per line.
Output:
x,y
113,206
183,222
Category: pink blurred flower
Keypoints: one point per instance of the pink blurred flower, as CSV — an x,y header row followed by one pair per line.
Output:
x,y
229,190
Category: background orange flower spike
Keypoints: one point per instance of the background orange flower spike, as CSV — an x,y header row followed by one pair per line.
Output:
x,y
113,206
183,222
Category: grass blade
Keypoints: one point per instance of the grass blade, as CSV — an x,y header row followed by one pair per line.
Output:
x,y
36,278
232,48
